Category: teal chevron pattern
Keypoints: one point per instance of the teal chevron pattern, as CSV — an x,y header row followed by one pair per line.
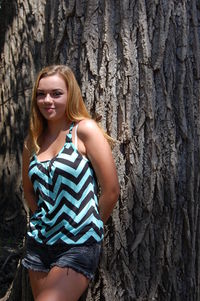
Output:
x,y
66,192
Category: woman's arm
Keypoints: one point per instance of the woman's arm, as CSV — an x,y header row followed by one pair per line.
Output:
x,y
29,193
99,153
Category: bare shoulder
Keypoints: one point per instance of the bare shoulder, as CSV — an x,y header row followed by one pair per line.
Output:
x,y
88,128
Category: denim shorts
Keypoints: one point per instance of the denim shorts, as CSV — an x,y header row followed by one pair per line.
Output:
x,y
83,259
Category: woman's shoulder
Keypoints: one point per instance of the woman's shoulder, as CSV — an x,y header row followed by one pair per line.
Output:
x,y
88,127
87,123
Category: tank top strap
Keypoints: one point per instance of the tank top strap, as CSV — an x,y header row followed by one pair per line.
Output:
x,y
71,128
75,138
69,135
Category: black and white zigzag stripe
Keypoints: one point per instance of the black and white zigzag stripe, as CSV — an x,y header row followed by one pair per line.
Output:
x,y
67,199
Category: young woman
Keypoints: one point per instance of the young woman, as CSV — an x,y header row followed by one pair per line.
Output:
x,y
65,155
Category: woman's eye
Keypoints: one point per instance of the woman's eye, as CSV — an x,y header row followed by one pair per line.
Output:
x,y
40,94
57,94
53,94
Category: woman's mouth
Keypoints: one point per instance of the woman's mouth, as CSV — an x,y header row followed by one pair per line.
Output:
x,y
49,109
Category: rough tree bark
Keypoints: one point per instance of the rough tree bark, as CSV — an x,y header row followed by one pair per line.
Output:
x,y
138,64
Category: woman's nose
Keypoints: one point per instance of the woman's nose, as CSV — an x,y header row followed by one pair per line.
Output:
x,y
48,98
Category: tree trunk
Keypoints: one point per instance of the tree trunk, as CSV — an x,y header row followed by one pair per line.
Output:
x,y
138,65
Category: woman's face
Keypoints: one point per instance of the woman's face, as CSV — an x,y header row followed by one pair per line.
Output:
x,y
51,97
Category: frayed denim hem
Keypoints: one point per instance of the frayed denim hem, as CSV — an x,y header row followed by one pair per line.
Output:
x,y
30,267
80,271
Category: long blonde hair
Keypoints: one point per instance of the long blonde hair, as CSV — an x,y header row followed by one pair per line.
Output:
x,y
75,108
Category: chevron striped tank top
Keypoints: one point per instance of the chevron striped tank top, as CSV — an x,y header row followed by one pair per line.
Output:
x,y
66,192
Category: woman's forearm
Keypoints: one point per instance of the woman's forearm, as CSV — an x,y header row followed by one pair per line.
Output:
x,y
107,203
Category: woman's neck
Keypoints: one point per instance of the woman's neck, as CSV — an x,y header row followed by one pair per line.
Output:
x,y
54,128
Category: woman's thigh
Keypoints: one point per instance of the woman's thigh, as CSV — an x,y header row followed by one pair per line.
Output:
x,y
60,284
37,280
